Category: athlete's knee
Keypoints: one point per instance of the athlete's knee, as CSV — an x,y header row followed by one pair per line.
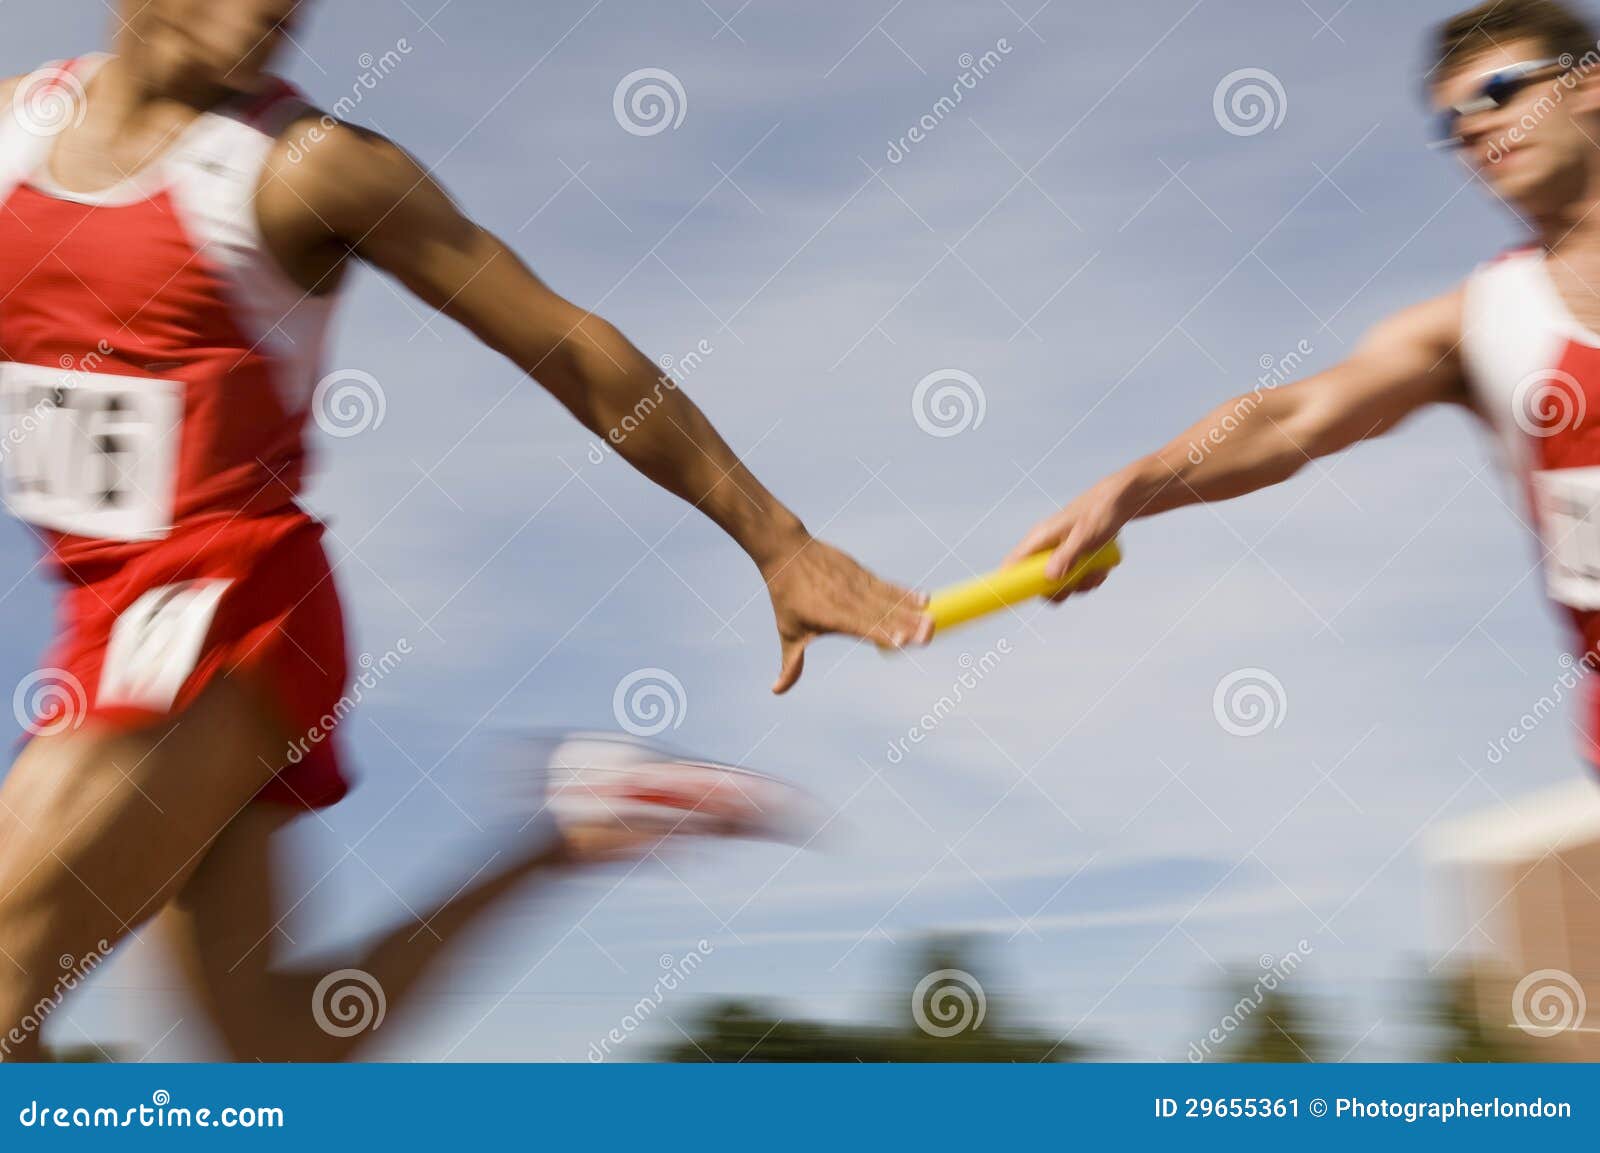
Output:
x,y
31,987
27,1001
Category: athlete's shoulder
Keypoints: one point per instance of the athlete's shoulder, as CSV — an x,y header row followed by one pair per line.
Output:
x,y
348,175
1517,252
1514,278
10,87
1508,262
39,91
326,146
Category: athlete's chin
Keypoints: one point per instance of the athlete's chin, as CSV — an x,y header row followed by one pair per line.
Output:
x,y
1510,186
1521,183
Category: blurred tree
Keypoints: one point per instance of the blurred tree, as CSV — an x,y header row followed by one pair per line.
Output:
x,y
1276,1027
943,1014
88,1054
1452,1009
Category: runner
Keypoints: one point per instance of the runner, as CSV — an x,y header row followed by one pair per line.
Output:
x,y
1517,89
170,252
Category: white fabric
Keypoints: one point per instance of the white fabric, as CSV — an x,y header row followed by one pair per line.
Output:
x,y
212,172
88,453
1516,330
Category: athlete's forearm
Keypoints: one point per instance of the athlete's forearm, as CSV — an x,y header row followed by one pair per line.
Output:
x,y
1252,442
1249,443
622,396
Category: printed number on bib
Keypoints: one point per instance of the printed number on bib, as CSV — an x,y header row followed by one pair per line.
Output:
x,y
90,455
1568,503
156,643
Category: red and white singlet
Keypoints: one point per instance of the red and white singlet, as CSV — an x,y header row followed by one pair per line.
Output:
x,y
1535,374
156,371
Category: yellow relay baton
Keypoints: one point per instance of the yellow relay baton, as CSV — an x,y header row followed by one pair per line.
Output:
x,y
1005,587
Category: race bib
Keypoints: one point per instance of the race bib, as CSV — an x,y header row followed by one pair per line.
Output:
x,y
156,644
1567,501
90,455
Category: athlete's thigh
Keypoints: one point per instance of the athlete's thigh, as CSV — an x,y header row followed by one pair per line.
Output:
x,y
103,828
222,927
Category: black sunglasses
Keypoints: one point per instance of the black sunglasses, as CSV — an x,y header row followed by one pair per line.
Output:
x,y
1495,90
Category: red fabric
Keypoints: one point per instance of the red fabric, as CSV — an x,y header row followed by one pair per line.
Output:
x,y
279,618
1566,411
122,290
1565,417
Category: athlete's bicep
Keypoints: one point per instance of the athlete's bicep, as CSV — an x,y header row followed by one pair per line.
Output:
x,y
1407,362
379,205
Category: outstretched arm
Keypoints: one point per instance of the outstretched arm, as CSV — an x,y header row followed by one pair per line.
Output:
x,y
1263,438
354,193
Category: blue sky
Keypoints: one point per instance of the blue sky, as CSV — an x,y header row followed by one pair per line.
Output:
x,y
1081,236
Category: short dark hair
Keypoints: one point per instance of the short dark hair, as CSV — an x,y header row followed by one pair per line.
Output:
x,y
1560,29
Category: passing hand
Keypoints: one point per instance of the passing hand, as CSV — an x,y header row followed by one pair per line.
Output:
x,y
817,590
